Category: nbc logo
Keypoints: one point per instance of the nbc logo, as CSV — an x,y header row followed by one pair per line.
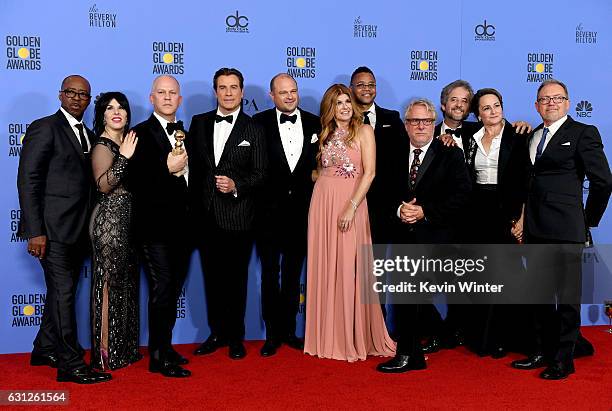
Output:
x,y
584,109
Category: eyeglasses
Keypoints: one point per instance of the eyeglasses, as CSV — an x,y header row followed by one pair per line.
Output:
x,y
72,94
364,85
556,99
417,121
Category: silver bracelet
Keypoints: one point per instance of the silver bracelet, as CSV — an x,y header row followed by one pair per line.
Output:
x,y
354,204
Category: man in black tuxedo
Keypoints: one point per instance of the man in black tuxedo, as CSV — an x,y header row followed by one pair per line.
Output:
x,y
391,149
561,152
55,187
282,220
227,168
161,224
430,192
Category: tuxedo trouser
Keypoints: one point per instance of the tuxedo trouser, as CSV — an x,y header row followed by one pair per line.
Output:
x,y
556,327
58,330
280,301
166,265
225,256
407,319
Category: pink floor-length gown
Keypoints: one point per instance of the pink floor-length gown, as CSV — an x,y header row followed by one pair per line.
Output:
x,y
343,320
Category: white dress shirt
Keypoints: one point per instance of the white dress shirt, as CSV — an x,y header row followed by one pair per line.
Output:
x,y
458,140
535,140
73,122
372,115
222,131
486,164
172,141
292,138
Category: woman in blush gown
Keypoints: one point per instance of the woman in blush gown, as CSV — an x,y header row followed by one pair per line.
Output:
x,y
114,285
344,320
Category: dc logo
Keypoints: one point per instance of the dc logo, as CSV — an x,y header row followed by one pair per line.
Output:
x,y
237,21
485,29
584,109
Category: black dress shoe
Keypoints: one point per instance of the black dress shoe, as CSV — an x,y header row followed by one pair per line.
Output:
x,y
498,352
237,351
82,375
212,344
176,358
294,342
401,363
40,359
269,348
168,369
529,363
431,346
557,371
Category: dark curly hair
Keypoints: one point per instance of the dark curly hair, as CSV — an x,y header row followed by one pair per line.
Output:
x,y
100,104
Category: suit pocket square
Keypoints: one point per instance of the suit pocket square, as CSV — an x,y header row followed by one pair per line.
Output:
x,y
314,138
244,143
386,125
567,143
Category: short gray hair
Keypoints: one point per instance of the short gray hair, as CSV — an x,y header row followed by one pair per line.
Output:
x,y
421,102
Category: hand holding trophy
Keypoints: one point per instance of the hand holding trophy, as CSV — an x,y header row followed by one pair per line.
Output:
x,y
178,150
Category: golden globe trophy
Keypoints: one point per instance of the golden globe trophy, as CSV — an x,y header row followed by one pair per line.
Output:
x,y
178,149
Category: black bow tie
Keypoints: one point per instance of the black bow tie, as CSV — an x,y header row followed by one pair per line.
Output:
x,y
456,132
172,127
284,118
219,118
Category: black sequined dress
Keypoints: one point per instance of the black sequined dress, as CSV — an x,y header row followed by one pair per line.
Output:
x,y
114,294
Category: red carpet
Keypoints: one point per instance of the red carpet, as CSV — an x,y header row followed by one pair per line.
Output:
x,y
455,379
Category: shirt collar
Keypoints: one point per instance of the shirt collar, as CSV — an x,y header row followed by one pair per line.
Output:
x,y
162,120
234,114
423,149
445,126
71,120
278,113
552,129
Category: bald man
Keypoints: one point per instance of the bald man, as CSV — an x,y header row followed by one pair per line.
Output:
x,y
159,191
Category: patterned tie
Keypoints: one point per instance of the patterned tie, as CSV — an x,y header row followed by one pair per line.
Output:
x,y
540,147
79,127
414,167
366,119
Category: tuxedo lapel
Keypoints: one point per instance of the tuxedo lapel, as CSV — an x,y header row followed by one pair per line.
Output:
x,y
70,135
209,138
276,142
234,138
429,156
561,132
159,134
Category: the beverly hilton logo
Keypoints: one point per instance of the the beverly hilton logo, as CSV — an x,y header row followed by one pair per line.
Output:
x,y
585,36
23,52
102,19
361,30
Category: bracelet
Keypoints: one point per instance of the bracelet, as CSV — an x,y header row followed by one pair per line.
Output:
x,y
354,204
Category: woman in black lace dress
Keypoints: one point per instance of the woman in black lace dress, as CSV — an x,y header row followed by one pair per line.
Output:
x,y
114,296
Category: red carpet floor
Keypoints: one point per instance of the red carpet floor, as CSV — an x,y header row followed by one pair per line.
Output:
x,y
455,379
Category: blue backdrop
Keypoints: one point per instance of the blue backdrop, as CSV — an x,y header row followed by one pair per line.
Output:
x,y
414,49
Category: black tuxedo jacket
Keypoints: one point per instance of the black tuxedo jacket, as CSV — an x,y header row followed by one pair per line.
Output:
x,y
160,199
54,181
468,129
511,171
243,160
442,189
287,193
554,208
392,148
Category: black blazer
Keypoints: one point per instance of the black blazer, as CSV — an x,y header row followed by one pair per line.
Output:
x,y
54,181
554,208
160,199
511,170
245,163
287,193
442,190
392,148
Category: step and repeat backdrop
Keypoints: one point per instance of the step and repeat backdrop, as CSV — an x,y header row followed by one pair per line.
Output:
x,y
414,49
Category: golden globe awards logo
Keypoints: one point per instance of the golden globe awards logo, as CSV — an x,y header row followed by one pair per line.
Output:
x,y
23,52
484,32
168,58
235,23
101,19
181,305
361,30
584,109
584,36
15,216
27,309
539,67
16,133
424,65
301,62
